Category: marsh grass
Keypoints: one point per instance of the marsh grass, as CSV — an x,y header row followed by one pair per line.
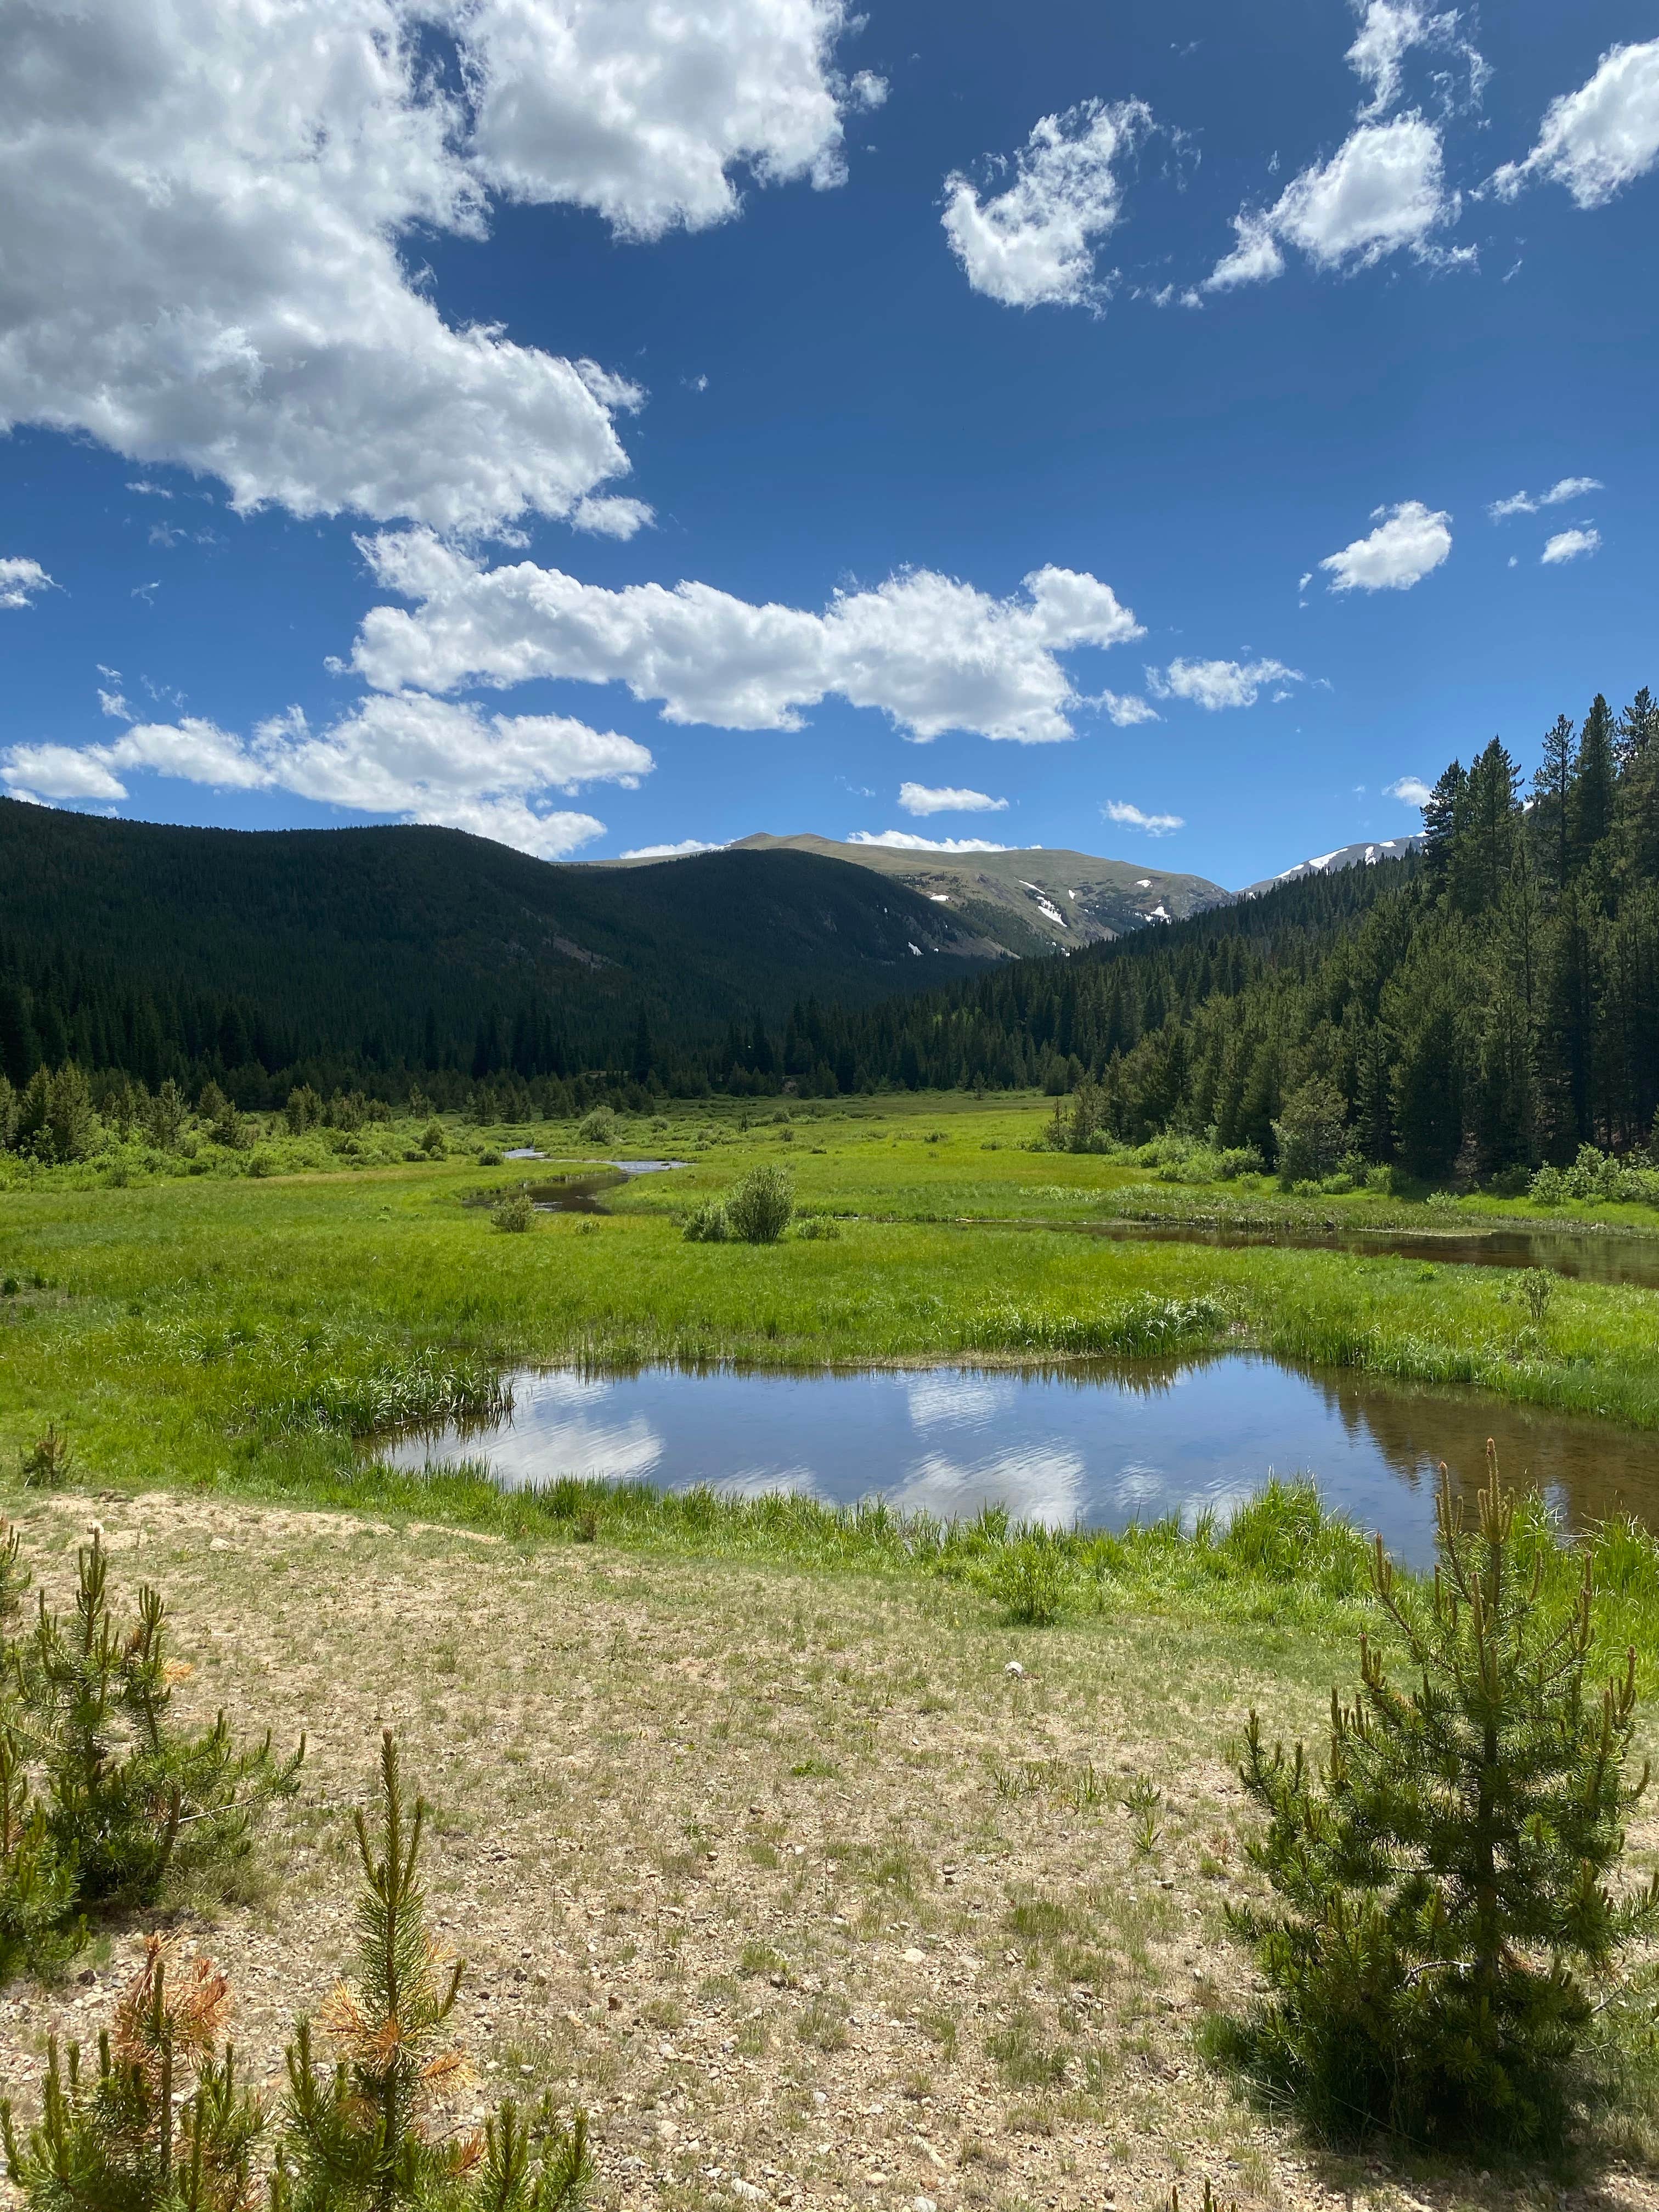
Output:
x,y
240,1333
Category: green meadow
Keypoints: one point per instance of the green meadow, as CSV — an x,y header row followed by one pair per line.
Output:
x,y
249,1318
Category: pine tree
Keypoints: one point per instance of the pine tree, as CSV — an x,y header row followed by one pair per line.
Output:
x,y
1595,777
1439,1882
1551,786
129,1797
39,1925
119,2140
1439,822
360,2140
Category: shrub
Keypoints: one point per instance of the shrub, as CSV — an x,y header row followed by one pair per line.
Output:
x,y
514,1214
1597,1175
1441,1201
818,1225
432,1140
709,1225
759,1208
1438,1882
599,1128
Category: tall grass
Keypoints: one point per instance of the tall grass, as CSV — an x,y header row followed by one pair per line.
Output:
x,y
1284,1558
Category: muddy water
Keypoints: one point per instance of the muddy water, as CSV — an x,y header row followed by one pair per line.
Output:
x,y
1103,1446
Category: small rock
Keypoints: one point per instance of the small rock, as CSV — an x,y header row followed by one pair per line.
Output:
x,y
915,1958
923,2204
221,1544
745,2191
1014,1667
87,1978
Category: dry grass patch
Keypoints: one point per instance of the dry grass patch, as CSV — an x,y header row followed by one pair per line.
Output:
x,y
780,1875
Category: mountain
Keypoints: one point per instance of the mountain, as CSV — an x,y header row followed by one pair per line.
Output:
x,y
1029,902
1330,864
130,943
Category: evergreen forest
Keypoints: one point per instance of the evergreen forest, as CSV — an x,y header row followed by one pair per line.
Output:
x,y
1488,1004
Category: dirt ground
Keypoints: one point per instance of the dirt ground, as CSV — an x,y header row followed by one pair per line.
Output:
x,y
814,1891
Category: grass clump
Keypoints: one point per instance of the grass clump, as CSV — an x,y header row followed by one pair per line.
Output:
x,y
1440,1883
47,1465
384,1390
514,1214
1140,1327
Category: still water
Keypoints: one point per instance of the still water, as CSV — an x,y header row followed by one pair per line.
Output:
x,y
1101,1446
1582,1254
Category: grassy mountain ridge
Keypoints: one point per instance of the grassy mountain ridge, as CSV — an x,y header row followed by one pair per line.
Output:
x,y
1030,901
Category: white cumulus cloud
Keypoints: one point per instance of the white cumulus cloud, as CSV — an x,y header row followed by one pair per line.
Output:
x,y
1411,789
214,209
1033,244
1384,189
21,581
1570,546
420,759
206,200
1523,502
1123,708
1599,139
931,652
908,841
1213,685
1409,541
928,798
680,851
643,111
1388,30
1154,825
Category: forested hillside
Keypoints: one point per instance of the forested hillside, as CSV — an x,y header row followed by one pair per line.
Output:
x,y
357,955
1493,1004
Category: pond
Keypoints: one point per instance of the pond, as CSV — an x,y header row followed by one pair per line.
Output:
x,y
1584,1254
1101,1446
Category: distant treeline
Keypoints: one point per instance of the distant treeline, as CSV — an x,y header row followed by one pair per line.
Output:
x,y
1492,1003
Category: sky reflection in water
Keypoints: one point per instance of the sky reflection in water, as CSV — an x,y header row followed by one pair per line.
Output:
x,y
1103,1448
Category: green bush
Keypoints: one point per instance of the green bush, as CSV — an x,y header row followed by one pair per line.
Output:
x,y
1439,1894
759,1207
515,1214
709,1225
599,1128
815,1226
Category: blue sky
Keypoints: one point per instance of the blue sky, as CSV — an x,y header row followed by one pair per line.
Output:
x,y
609,427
